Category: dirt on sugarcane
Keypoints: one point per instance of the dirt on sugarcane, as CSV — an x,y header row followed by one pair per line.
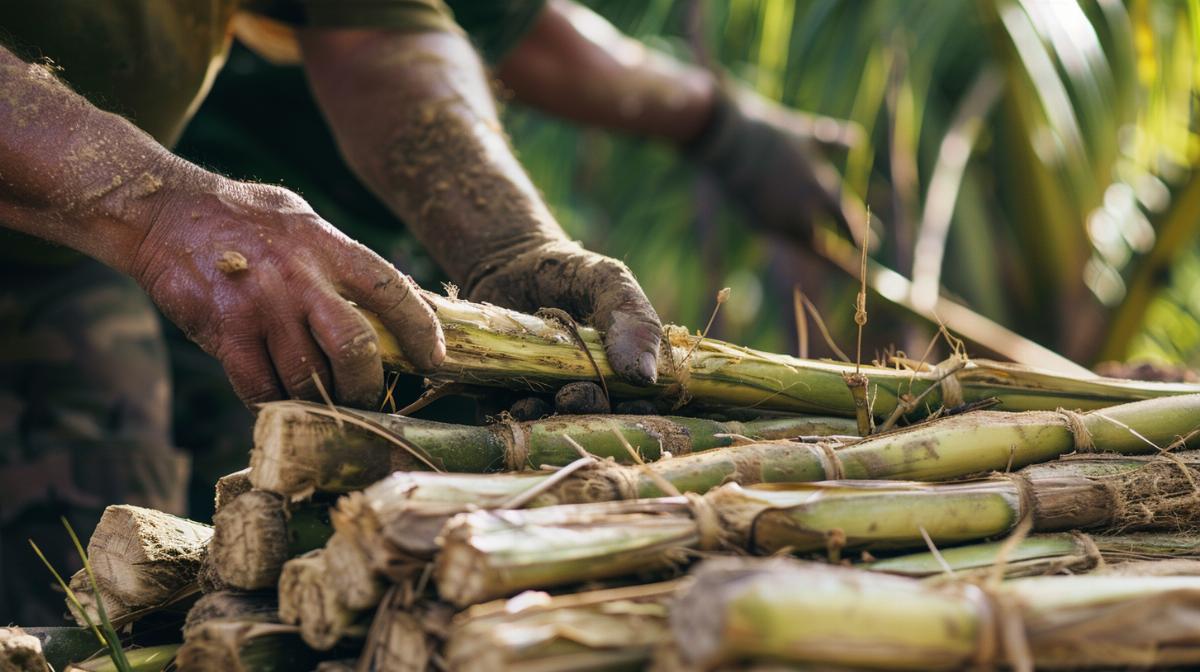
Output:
x,y
581,398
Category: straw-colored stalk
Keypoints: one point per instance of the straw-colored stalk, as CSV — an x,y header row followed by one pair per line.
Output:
x,y
241,632
487,345
614,629
307,599
489,554
143,560
254,534
807,613
404,637
234,631
1166,567
1041,554
300,448
230,487
21,652
399,518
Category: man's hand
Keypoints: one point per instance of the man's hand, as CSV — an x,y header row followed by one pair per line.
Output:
x,y
589,286
414,117
248,271
263,284
770,160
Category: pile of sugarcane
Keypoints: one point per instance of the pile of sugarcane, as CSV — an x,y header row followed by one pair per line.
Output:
x,y
969,514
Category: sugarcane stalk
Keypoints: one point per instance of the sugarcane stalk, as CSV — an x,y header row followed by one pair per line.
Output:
x,y
1165,567
230,487
805,613
404,637
144,659
237,646
399,517
143,560
1041,554
258,531
488,345
489,554
611,629
300,448
307,599
21,652
240,632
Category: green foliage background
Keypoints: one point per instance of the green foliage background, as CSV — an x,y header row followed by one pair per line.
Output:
x,y
1074,214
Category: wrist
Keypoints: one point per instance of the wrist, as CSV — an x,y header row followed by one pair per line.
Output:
x,y
159,193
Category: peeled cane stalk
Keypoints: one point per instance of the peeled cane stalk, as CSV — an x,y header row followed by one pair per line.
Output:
x,y
241,632
487,345
300,448
489,554
307,599
1045,554
598,630
254,534
806,613
143,560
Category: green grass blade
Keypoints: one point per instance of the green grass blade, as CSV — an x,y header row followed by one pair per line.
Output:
x,y
113,641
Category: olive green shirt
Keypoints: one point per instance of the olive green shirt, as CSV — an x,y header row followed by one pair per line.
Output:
x,y
153,61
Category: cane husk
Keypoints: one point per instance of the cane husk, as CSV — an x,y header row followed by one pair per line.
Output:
x,y
597,630
487,345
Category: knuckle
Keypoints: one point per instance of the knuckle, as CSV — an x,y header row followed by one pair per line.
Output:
x,y
357,347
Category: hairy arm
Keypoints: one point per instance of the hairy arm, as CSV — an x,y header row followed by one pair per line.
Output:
x,y
414,117
248,271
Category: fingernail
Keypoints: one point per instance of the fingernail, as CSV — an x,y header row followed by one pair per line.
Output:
x,y
438,354
648,367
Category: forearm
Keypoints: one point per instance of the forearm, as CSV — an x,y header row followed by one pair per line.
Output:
x,y
73,174
575,65
414,117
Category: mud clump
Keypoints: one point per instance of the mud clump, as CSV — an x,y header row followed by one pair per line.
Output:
x,y
636,407
582,397
530,408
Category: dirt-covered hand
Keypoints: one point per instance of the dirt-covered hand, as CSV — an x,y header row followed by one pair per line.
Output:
x,y
592,288
769,159
262,283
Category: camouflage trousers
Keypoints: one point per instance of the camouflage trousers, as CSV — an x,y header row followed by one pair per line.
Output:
x,y
85,420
